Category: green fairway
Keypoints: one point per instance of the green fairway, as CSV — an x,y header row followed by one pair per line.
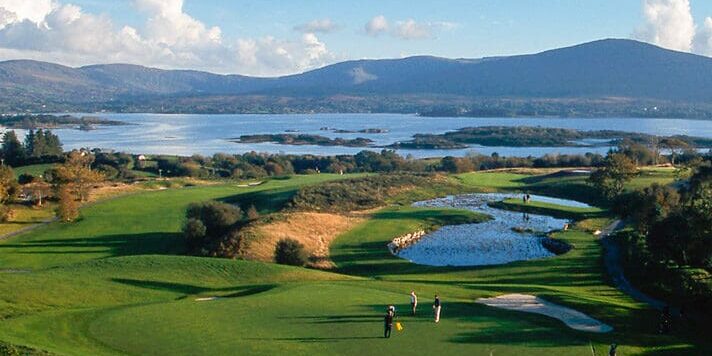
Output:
x,y
35,170
116,283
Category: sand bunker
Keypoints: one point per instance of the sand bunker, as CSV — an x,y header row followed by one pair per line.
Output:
x,y
206,299
532,304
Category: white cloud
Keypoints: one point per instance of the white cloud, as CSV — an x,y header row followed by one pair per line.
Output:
x,y
268,55
170,38
407,29
703,39
411,30
377,26
322,26
668,23
20,10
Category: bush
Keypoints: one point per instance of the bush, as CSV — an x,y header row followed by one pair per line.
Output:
x,y
290,252
252,213
217,217
194,232
211,227
25,178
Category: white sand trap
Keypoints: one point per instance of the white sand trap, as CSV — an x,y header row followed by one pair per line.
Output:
x,y
206,299
531,304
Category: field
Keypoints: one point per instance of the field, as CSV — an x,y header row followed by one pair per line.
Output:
x,y
116,282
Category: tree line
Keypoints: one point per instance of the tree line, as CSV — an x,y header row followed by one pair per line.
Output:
x,y
39,146
668,247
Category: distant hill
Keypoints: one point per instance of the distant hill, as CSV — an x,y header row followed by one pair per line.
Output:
x,y
616,69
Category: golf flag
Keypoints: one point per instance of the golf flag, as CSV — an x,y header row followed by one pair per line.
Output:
x,y
399,326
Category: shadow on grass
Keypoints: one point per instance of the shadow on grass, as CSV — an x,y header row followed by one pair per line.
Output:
x,y
316,339
117,245
188,289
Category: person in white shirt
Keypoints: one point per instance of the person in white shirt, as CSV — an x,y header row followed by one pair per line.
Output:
x,y
436,308
413,301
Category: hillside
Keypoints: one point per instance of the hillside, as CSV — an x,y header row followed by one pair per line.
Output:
x,y
622,71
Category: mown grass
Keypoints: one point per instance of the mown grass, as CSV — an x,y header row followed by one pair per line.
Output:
x,y
115,283
35,170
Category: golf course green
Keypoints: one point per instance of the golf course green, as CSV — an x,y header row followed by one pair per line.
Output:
x,y
118,282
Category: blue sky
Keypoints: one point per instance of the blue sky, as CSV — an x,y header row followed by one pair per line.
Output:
x,y
263,31
485,27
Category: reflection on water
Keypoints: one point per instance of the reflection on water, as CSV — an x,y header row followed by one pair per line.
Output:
x,y
489,243
208,134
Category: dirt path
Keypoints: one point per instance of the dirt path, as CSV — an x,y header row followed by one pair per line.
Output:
x,y
612,261
26,229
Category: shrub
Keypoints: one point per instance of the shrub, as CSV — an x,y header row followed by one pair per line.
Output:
x,y
210,227
290,252
194,232
25,178
217,217
252,213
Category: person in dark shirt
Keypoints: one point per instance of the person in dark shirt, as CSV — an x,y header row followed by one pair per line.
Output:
x,y
388,323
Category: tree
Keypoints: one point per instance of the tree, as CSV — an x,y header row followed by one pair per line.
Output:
x,y
647,206
8,189
290,252
611,178
68,209
12,150
674,145
76,174
30,140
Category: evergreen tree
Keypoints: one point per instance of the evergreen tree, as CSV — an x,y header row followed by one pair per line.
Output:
x,y
12,150
30,143
53,144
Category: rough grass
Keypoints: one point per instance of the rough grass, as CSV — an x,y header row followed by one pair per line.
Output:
x,y
315,231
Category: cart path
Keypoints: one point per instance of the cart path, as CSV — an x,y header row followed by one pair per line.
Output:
x,y
612,261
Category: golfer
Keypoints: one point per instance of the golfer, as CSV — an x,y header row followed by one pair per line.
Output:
x,y
436,308
388,323
413,301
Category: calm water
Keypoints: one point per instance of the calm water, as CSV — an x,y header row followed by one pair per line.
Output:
x,y
489,243
209,134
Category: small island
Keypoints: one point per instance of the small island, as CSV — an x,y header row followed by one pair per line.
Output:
x,y
303,139
523,136
45,121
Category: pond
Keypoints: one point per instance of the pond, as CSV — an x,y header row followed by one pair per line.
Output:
x,y
489,243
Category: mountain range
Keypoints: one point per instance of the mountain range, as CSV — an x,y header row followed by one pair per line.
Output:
x,y
612,70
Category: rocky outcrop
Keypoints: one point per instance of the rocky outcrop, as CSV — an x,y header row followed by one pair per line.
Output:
x,y
556,246
406,240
